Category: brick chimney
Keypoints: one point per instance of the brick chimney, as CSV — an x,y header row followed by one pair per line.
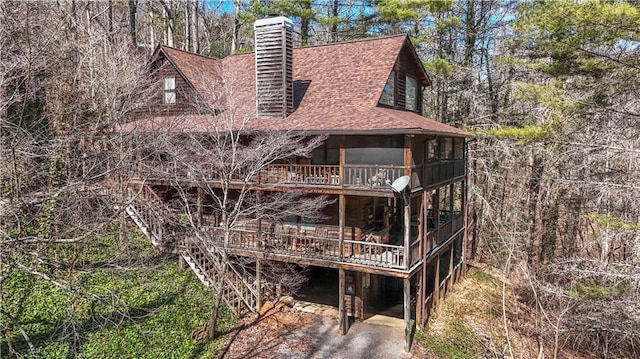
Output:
x,y
274,67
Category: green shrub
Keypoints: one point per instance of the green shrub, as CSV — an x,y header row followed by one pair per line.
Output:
x,y
456,342
138,310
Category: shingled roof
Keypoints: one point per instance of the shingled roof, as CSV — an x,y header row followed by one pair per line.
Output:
x,y
336,88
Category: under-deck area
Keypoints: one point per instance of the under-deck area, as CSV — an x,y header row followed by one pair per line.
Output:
x,y
375,294
321,286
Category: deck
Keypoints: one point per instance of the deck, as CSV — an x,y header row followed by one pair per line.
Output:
x,y
321,244
350,177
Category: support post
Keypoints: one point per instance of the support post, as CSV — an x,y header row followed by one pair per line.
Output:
x,y
199,200
426,311
420,297
258,285
407,231
465,234
342,160
451,275
408,158
407,314
341,214
436,286
260,237
426,248
342,310
160,230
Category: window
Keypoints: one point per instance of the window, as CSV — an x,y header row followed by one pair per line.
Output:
x,y
445,203
388,93
328,153
432,206
333,150
169,90
411,94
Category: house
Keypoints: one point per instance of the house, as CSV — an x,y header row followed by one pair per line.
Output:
x,y
396,232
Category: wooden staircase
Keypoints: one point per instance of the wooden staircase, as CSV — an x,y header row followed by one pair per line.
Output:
x,y
153,218
148,212
239,287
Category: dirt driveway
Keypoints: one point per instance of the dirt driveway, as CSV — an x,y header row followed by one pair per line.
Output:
x,y
289,333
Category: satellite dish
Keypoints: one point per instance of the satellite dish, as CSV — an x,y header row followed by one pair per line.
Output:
x,y
400,184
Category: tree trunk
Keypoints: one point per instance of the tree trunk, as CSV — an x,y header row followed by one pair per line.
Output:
x,y
236,28
304,31
194,27
110,19
168,16
211,332
133,8
334,25
535,209
187,26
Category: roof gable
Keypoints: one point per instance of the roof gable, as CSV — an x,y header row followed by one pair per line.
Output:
x,y
197,70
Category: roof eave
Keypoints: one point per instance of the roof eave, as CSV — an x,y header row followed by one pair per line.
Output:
x,y
394,131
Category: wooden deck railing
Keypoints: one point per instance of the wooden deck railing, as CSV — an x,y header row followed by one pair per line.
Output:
x,y
375,254
415,253
354,176
440,235
240,291
148,211
328,175
323,243
302,174
294,174
371,176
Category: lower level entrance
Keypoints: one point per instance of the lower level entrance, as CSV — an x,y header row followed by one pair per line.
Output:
x,y
321,286
365,294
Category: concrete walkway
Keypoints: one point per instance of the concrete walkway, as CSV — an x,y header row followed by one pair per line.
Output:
x,y
376,337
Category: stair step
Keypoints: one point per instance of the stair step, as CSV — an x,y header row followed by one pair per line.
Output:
x,y
143,210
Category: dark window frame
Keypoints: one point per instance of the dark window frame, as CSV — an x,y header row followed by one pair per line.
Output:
x,y
394,94
391,83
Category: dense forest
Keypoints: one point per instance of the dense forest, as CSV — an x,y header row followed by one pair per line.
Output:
x,y
550,89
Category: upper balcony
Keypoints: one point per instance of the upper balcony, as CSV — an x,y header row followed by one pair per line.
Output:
x,y
364,163
357,177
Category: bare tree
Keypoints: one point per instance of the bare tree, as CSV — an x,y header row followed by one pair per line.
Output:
x,y
66,82
220,157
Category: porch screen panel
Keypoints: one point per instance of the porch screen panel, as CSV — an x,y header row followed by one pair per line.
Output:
x,y
375,150
328,153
